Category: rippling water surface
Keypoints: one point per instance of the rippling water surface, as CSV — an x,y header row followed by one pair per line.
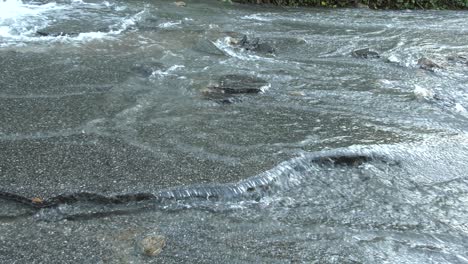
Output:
x,y
339,160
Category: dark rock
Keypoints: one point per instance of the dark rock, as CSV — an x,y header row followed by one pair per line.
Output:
x,y
427,64
346,160
264,48
254,45
229,87
240,84
365,53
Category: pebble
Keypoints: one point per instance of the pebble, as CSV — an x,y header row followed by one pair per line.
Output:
x,y
152,245
427,64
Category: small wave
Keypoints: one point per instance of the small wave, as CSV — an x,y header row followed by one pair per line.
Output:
x,y
18,19
19,23
257,17
168,72
459,108
238,53
403,158
423,93
170,24
119,28
399,160
445,102
16,9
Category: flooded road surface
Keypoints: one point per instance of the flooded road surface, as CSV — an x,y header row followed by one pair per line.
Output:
x,y
232,133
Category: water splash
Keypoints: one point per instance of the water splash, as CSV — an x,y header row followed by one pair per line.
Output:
x,y
19,19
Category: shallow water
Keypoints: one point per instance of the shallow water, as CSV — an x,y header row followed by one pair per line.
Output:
x,y
112,102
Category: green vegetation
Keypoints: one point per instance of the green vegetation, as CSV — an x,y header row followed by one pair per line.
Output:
x,y
374,4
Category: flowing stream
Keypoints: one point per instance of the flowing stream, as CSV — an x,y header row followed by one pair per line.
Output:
x,y
338,159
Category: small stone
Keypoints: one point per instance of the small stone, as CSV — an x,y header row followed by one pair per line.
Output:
x,y
180,3
37,200
152,245
427,64
254,45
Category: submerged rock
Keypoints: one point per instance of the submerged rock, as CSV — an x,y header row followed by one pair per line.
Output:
x,y
152,245
146,69
57,34
427,64
229,86
206,46
240,84
345,160
252,45
458,59
148,24
365,53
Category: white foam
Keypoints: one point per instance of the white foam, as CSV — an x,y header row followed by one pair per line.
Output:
x,y
168,71
264,88
91,36
170,24
19,22
394,59
257,17
459,108
16,9
121,27
423,93
234,52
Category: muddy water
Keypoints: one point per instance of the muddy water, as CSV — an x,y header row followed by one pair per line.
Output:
x,y
338,160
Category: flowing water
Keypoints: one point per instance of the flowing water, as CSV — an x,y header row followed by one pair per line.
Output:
x,y
340,160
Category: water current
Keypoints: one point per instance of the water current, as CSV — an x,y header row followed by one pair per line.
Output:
x,y
338,159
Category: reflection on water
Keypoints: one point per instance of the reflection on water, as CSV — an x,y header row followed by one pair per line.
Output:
x,y
340,160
